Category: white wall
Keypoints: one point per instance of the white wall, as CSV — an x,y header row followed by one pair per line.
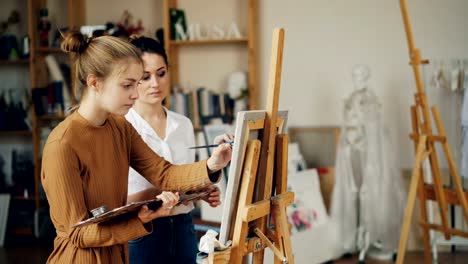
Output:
x,y
325,38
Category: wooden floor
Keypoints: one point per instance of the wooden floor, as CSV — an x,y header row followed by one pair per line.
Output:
x,y
38,253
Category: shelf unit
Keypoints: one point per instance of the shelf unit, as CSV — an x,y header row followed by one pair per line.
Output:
x,y
250,41
18,66
38,75
75,17
25,133
14,62
173,48
48,50
207,41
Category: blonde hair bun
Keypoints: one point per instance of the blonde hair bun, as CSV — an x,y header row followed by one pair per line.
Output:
x,y
74,42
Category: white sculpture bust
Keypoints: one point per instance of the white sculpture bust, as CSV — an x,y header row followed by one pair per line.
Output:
x,y
237,89
361,75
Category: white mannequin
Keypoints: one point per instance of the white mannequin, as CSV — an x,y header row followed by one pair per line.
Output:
x,y
367,201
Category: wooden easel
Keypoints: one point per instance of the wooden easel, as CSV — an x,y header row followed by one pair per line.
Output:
x,y
251,234
424,143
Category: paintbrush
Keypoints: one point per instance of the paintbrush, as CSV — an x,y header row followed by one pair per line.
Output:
x,y
212,145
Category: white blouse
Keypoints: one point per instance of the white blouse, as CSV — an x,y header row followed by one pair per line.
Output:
x,y
173,148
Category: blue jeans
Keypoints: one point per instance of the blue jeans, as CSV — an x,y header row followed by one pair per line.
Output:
x,y
173,241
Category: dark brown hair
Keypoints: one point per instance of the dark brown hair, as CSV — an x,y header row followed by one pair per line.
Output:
x,y
145,44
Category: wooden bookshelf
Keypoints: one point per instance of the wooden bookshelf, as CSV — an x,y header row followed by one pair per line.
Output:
x,y
49,50
15,62
15,133
250,41
24,231
39,75
22,198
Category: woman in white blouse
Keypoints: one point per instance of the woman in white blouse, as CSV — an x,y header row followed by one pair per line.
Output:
x,y
169,134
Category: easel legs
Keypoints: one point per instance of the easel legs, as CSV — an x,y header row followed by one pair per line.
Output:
x,y
282,237
422,134
252,217
453,170
278,240
416,180
424,217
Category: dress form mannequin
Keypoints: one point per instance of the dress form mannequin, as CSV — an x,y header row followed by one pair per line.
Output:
x,y
368,198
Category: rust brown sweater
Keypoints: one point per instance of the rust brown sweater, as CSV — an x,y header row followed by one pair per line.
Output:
x,y
84,167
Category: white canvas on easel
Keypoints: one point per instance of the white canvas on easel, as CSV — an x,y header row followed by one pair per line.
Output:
x,y
235,169
210,131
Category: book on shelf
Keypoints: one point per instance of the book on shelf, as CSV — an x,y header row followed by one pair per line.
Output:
x,y
196,113
5,205
56,104
202,105
40,97
58,76
178,24
49,100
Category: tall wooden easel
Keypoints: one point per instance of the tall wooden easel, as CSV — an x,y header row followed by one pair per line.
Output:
x,y
424,143
251,233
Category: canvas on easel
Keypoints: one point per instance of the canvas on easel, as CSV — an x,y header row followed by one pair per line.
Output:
x,y
245,130
260,220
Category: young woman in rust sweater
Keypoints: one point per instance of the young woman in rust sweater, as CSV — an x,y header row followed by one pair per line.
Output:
x,y
87,156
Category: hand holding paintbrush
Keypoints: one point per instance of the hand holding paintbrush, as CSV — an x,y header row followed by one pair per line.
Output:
x,y
221,139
